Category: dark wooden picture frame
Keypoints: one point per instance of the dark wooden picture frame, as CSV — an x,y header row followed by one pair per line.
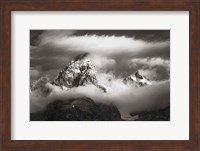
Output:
x,y
7,6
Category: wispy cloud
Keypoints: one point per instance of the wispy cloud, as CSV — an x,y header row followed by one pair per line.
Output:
x,y
107,45
34,73
149,62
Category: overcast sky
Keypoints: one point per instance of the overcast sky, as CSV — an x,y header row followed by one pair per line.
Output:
x,y
119,51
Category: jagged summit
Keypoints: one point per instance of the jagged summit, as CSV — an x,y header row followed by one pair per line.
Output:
x,y
137,79
79,72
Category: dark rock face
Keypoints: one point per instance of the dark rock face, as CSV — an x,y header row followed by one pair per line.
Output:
x,y
161,115
40,116
78,109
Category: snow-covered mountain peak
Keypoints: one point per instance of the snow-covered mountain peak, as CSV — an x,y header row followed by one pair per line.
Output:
x,y
79,72
137,79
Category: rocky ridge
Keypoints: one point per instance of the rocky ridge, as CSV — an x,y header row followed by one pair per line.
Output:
x,y
137,80
79,72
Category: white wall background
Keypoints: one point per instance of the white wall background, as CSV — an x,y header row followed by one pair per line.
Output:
x,y
176,129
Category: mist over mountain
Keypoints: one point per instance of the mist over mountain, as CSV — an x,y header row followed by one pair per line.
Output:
x,y
117,96
98,75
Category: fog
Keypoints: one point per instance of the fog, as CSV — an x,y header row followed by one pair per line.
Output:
x,y
128,99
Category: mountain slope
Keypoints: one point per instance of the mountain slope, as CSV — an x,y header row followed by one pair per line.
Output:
x,y
77,109
137,80
79,72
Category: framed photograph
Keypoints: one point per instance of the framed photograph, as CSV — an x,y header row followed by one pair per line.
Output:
x,y
100,75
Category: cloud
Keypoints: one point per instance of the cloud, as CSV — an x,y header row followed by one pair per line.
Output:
x,y
62,41
34,73
106,79
146,35
110,52
107,45
154,68
127,99
102,63
150,73
149,62
112,55
51,35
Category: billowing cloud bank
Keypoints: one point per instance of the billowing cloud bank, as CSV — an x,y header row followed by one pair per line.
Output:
x,y
126,98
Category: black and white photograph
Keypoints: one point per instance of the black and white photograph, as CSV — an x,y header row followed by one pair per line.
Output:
x,y
99,75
